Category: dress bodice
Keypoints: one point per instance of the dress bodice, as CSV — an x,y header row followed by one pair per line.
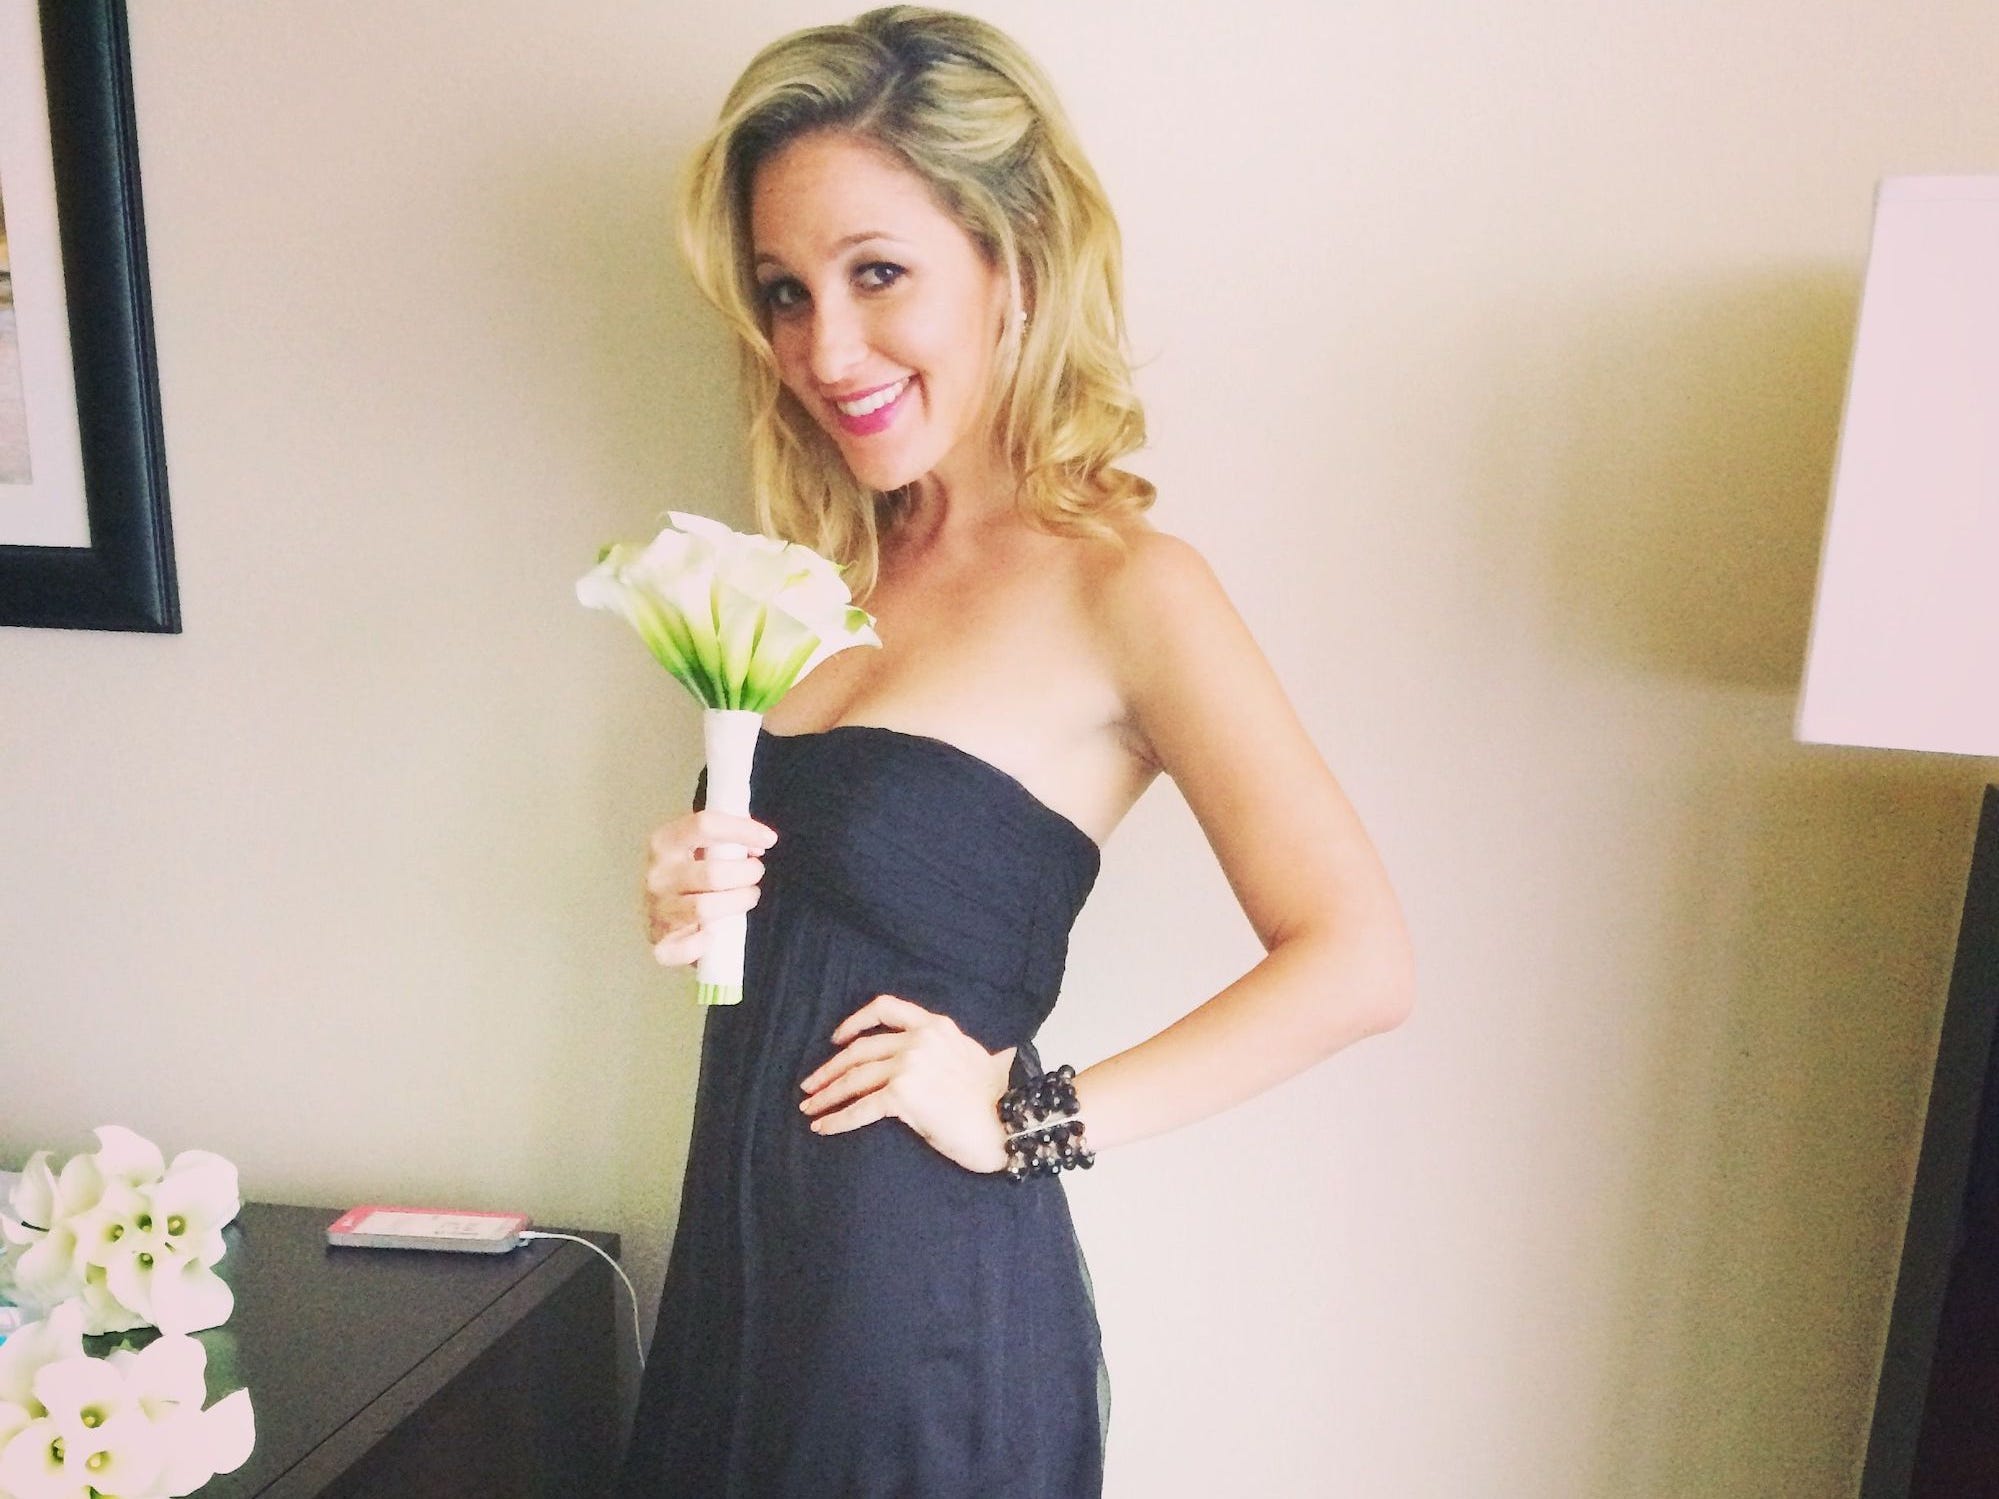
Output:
x,y
931,850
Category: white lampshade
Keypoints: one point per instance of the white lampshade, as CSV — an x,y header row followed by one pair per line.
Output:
x,y
1904,649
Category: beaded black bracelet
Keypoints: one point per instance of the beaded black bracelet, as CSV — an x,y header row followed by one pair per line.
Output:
x,y
1044,1126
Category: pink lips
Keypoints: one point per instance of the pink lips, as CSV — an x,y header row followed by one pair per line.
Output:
x,y
874,421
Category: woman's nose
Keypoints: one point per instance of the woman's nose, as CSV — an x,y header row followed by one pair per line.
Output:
x,y
838,343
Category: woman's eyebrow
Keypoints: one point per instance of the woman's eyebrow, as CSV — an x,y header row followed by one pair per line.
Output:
x,y
845,244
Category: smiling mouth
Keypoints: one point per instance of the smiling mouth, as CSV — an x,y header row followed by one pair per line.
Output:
x,y
873,401
865,415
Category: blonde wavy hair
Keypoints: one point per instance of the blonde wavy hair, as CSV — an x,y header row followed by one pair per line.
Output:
x,y
962,106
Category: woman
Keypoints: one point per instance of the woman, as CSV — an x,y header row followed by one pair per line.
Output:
x,y
921,268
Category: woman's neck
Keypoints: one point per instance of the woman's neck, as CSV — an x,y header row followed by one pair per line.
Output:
x,y
950,511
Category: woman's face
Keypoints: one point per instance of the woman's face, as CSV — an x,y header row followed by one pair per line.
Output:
x,y
884,316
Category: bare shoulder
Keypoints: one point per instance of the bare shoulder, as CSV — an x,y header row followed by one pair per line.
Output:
x,y
1154,571
1159,569
1161,611
1207,705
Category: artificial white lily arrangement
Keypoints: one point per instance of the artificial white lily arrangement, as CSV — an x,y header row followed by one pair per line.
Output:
x,y
134,1238
118,1239
129,1425
738,619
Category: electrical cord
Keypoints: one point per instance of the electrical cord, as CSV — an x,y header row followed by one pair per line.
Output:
x,y
638,1338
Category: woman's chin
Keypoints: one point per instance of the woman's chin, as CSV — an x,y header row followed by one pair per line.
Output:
x,y
881,472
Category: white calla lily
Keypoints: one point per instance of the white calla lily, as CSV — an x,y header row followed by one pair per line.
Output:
x,y
92,1432
194,1202
32,1465
78,1186
710,530
663,629
27,1349
121,1458
206,1160
42,1265
127,1236
13,1419
83,1391
738,619
127,1426
69,1424
172,1292
168,1373
33,1199
31,1208
116,1217
48,1271
814,584
201,1443
125,1156
102,1310
166,1379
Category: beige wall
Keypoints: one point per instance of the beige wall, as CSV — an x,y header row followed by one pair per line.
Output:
x,y
1494,357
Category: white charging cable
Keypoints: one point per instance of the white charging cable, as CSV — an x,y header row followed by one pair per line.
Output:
x,y
638,1338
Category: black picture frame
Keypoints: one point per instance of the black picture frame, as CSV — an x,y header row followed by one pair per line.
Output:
x,y
124,580
1934,1434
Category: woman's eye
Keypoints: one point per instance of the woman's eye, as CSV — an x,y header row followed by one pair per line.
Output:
x,y
781,296
787,293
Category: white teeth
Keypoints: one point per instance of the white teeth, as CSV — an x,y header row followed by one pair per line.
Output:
x,y
874,402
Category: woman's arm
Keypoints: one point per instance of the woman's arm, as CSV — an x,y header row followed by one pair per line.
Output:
x,y
1339,965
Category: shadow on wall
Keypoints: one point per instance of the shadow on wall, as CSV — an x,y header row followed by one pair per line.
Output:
x,y
1699,478
1690,455
1784,1112
662,403
1818,888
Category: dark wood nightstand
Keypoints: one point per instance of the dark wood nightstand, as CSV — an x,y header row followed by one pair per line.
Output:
x,y
415,1374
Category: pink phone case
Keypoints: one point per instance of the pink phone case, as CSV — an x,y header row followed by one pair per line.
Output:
x,y
378,1226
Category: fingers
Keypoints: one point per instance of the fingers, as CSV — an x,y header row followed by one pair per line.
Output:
x,y
867,1049
682,945
700,867
688,853
678,876
705,828
862,1075
890,1010
690,916
866,1110
698,908
921,1068
865,1079
678,928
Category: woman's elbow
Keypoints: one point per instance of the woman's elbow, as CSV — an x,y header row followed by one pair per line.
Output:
x,y
1397,1004
1392,994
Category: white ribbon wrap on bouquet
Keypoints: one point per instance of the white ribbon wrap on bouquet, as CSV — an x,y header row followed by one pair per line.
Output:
x,y
730,737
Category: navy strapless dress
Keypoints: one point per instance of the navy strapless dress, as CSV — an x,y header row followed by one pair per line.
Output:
x,y
855,1316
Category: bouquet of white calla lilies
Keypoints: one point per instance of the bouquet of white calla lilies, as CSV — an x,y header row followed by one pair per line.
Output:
x,y
133,1238
130,1425
738,619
